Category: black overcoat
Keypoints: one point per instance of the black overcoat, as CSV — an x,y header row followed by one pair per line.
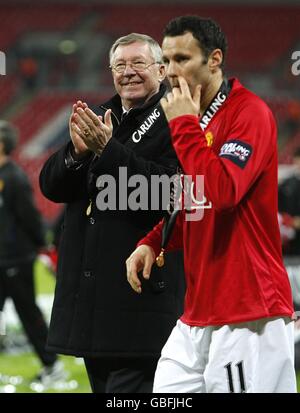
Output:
x,y
95,311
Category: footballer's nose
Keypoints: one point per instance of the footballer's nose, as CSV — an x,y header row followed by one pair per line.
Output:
x,y
173,80
172,69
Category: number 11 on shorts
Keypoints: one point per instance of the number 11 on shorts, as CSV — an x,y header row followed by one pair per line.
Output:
x,y
240,369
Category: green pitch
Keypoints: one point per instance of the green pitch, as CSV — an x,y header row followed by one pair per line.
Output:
x,y
44,279
18,370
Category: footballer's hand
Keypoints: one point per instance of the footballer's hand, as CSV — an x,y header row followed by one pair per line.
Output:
x,y
141,259
180,101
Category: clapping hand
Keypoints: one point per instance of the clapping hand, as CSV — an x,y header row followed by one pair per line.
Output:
x,y
88,131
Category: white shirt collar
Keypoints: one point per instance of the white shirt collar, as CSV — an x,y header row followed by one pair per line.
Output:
x,y
125,111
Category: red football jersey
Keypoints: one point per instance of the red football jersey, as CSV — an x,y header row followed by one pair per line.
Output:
x,y
232,256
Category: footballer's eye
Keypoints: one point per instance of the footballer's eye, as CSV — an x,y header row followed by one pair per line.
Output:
x,y
181,59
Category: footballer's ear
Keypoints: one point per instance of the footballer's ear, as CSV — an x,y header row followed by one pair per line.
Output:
x,y
215,59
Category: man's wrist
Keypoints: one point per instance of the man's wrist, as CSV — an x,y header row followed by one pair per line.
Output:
x,y
73,161
78,156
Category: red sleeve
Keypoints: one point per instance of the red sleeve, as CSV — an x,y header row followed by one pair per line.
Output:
x,y
248,145
153,238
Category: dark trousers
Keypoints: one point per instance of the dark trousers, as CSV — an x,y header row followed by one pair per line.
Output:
x,y
17,282
121,375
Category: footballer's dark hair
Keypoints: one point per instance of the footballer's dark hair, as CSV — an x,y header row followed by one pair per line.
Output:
x,y
8,136
208,33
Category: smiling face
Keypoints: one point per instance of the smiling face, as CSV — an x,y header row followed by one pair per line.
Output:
x,y
136,86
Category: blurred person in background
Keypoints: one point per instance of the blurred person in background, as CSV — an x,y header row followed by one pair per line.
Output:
x,y
289,206
21,236
29,71
237,331
95,313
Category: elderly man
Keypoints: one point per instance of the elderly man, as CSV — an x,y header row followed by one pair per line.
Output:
x,y
95,314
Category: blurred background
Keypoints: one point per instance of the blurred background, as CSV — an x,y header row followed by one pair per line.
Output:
x,y
56,52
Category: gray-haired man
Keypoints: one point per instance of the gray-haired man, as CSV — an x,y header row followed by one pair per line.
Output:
x,y
95,313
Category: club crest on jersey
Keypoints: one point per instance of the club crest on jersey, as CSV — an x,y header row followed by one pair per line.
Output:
x,y
209,138
145,126
237,151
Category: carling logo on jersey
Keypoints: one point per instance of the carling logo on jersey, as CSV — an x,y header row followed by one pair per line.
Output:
x,y
137,135
212,110
237,151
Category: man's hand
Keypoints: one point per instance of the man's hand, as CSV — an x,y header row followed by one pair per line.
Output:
x,y
141,259
180,101
93,132
76,134
297,223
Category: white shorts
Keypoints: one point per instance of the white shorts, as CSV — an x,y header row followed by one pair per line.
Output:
x,y
251,357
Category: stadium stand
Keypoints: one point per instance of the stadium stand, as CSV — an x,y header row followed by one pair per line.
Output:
x,y
261,39
246,28
43,108
16,20
68,41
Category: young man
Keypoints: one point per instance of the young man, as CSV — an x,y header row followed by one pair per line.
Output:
x,y
236,333
95,314
21,236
